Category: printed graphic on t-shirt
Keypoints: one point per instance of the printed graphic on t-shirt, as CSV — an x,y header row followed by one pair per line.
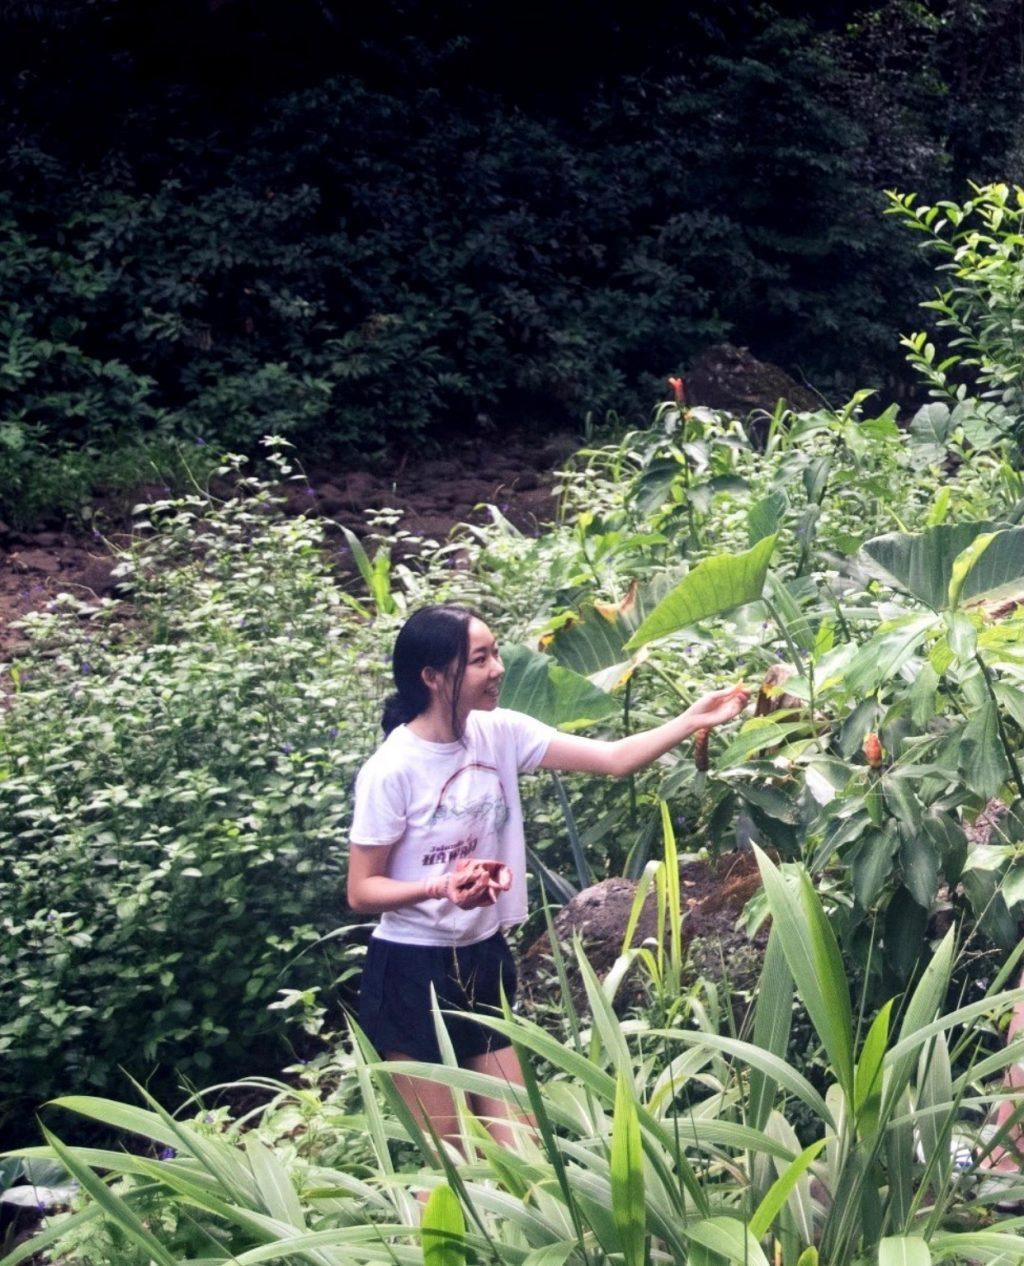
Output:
x,y
472,806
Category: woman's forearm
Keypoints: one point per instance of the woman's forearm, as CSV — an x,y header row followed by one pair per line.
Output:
x,y
377,894
637,750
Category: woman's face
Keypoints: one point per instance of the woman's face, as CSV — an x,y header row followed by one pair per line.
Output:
x,y
481,682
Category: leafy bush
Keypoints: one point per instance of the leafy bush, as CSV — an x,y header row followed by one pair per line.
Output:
x,y
172,790
980,251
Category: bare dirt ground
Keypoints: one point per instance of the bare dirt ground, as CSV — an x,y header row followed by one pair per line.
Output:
x,y
432,496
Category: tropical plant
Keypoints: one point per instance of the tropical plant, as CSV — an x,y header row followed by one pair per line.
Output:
x,y
645,1142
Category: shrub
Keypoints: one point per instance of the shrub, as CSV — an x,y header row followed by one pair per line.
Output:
x,y
172,789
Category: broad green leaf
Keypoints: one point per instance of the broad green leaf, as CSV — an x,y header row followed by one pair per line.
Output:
x,y
765,516
922,565
964,562
542,689
884,654
627,1174
983,760
903,1250
995,572
713,587
729,1238
443,1231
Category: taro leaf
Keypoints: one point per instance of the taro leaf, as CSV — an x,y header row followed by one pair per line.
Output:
x,y
542,689
774,803
922,565
713,587
983,762
930,430
765,517
592,641
920,862
996,572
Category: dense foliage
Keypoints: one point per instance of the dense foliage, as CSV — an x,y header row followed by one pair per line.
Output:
x,y
321,230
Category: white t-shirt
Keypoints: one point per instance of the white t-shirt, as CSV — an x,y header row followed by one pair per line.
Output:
x,y
439,802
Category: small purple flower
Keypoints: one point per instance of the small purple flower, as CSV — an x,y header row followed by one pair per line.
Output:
x,y
310,492
167,1153
287,749
50,917
41,1206
208,1118
86,668
200,442
97,533
332,732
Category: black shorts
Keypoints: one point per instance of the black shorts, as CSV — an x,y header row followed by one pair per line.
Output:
x,y
394,996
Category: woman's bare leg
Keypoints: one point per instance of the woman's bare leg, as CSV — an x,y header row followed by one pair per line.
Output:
x,y
494,1112
1008,1155
432,1105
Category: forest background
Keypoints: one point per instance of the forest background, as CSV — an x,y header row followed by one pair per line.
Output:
x,y
368,227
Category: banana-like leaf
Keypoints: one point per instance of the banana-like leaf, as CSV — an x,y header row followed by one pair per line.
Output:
x,y
922,565
903,1250
534,684
714,587
814,959
729,1238
444,1229
627,1174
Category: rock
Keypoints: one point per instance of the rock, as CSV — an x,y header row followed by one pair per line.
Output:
x,y
362,490
713,896
45,540
330,499
38,560
731,379
98,576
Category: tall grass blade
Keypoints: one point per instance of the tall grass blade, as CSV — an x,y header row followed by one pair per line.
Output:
x,y
778,1192
903,1250
114,1208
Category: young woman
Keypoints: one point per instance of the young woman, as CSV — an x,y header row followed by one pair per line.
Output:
x,y
438,849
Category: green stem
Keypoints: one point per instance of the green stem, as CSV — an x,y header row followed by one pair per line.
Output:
x,y
1010,755
794,653
660,672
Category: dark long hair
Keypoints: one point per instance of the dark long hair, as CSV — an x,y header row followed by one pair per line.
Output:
x,y
433,637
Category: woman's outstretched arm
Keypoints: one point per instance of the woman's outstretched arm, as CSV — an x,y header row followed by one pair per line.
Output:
x,y
621,757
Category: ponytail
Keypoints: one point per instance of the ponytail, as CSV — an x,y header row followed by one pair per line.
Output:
x,y
433,637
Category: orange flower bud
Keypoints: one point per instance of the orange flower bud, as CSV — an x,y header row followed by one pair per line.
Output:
x,y
678,390
700,751
873,750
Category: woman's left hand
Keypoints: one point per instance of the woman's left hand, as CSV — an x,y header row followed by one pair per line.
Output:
x,y
718,707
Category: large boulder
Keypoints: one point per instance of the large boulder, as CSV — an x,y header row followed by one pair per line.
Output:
x,y
713,896
731,379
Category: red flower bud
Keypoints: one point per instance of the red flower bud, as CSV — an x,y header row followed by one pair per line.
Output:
x,y
873,750
678,390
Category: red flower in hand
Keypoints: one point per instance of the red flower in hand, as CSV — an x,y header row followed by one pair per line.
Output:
x,y
678,390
